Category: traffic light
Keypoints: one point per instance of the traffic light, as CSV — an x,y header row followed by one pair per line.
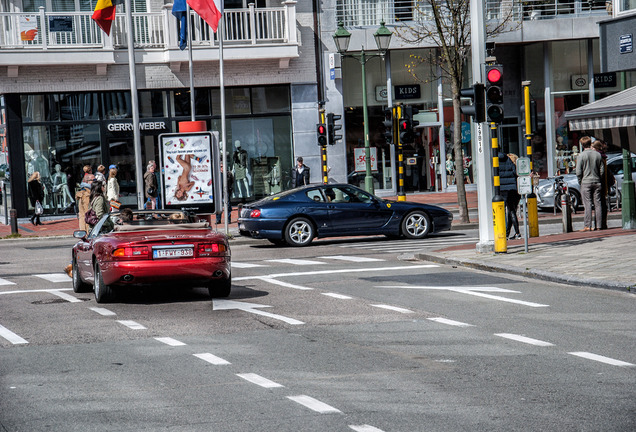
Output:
x,y
388,125
477,108
406,136
410,113
332,128
321,128
494,93
533,116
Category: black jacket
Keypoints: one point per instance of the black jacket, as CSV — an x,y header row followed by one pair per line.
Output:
x,y
302,179
35,191
507,174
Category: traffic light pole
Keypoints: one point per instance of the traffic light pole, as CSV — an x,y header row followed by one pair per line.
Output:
x,y
533,212
498,205
323,151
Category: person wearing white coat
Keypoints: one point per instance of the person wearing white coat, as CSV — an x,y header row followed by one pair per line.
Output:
x,y
112,190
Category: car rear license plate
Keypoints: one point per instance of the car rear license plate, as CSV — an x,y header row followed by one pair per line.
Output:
x,y
181,252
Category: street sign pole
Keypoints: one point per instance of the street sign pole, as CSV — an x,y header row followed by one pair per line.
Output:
x,y
524,187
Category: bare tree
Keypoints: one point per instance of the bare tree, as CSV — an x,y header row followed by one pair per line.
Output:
x,y
446,24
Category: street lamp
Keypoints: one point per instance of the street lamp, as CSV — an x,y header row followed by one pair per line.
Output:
x,y
382,39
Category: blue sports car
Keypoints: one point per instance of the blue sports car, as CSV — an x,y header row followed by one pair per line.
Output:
x,y
299,215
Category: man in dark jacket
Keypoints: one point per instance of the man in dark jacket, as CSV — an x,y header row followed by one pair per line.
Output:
x,y
508,189
300,173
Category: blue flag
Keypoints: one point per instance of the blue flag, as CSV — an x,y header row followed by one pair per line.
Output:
x,y
180,10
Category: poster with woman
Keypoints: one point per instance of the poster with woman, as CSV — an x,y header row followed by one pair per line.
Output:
x,y
190,171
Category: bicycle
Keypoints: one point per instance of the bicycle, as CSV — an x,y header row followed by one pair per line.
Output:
x,y
561,188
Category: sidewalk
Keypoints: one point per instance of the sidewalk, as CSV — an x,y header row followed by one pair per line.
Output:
x,y
603,259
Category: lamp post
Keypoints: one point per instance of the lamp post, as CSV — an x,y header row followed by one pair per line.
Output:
x,y
382,39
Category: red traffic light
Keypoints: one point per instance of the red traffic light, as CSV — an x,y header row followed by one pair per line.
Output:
x,y
404,125
322,130
494,76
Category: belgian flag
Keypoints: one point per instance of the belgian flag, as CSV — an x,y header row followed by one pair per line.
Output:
x,y
104,14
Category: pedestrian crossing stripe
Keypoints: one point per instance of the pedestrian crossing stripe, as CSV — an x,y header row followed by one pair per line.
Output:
x,y
6,282
54,277
351,258
296,261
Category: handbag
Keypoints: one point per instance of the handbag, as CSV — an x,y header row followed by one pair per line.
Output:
x,y
151,191
90,217
38,208
115,204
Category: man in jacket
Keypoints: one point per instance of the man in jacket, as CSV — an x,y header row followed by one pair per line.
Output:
x,y
589,171
300,173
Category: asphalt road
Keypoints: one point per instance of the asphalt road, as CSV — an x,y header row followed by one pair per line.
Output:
x,y
343,335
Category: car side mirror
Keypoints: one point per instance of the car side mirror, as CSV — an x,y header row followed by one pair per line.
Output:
x,y
79,234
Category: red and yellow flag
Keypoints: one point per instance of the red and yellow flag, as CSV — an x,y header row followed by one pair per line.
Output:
x,y
104,14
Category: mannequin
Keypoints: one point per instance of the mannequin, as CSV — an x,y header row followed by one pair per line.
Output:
x,y
61,194
240,171
274,178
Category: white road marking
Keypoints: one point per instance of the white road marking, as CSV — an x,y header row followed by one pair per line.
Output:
x,y
54,277
34,291
323,272
351,258
69,298
103,311
251,308
170,341
245,265
292,261
211,358
450,322
6,282
524,339
11,337
365,428
338,296
131,324
601,359
286,284
474,291
259,380
314,404
393,308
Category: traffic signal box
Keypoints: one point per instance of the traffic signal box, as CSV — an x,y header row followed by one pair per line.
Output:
x,y
321,130
332,128
494,93
388,125
407,125
477,108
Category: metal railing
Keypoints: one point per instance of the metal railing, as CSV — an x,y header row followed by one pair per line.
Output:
x,y
370,12
250,26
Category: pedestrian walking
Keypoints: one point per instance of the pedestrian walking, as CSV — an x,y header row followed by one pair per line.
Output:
x,y
88,175
35,192
100,175
300,173
508,189
112,187
589,171
151,189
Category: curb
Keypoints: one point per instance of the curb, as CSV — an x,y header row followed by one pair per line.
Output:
x,y
529,273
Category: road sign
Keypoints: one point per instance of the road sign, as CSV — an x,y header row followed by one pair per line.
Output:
x,y
524,184
523,166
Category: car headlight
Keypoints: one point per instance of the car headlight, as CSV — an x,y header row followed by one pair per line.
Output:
x,y
547,189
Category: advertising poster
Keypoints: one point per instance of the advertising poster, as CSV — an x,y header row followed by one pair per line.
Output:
x,y
359,154
28,28
190,171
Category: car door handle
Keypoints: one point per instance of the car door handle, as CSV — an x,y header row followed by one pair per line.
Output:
x,y
331,206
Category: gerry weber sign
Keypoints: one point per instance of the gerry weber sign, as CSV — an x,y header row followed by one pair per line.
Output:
x,y
149,127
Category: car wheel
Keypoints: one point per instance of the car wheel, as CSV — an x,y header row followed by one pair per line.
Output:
x,y
299,232
220,287
79,286
277,242
416,225
103,292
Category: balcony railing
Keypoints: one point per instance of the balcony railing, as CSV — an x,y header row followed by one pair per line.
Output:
x,y
370,12
65,30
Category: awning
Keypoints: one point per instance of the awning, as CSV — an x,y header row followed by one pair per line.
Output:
x,y
615,111
608,122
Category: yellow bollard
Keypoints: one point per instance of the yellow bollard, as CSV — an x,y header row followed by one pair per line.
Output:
x,y
533,216
499,224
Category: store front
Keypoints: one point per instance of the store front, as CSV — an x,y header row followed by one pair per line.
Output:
x,y
60,134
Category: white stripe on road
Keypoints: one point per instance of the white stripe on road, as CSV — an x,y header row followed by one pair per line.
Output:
x,y
54,277
131,324
450,322
313,404
103,311
524,339
6,282
393,308
259,380
69,298
285,284
338,296
601,359
245,265
211,358
365,428
324,272
11,337
296,261
351,258
288,320
170,341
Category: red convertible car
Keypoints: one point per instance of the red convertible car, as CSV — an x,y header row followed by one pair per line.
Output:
x,y
148,248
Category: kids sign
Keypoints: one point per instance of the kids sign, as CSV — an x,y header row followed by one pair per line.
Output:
x,y
190,172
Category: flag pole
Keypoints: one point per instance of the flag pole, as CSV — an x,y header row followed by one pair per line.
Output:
x,y
134,106
226,198
192,113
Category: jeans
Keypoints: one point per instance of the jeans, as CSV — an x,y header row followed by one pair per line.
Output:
x,y
591,193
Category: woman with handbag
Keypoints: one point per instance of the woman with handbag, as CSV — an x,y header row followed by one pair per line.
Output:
x,y
150,184
112,191
99,205
35,191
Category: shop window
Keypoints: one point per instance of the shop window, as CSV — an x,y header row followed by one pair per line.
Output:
x,y
153,103
32,107
237,101
73,106
116,105
270,99
181,103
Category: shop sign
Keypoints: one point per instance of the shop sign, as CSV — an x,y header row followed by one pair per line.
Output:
x,y
411,161
150,127
411,91
605,80
625,43
60,23
361,160
381,94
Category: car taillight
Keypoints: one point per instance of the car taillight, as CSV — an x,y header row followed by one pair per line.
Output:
x,y
135,252
210,249
255,213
